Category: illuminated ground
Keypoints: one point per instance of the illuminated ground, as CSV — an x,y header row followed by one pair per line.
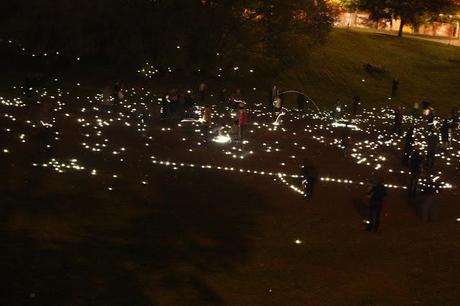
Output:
x,y
123,209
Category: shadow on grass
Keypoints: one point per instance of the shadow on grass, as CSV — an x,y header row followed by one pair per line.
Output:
x,y
138,247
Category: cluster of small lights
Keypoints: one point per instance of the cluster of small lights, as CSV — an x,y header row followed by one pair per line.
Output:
x,y
61,167
34,54
97,120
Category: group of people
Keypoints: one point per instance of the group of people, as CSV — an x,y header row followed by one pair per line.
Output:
x,y
436,139
182,105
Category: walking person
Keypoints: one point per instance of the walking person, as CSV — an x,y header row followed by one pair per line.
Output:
x,y
309,178
242,120
430,121
223,98
355,105
445,134
164,107
301,102
203,88
415,166
189,103
117,94
377,194
398,120
432,148
337,112
205,123
408,145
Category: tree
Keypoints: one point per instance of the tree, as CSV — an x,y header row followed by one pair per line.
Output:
x,y
408,11
201,34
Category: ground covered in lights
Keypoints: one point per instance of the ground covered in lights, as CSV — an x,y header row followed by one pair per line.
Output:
x,y
113,206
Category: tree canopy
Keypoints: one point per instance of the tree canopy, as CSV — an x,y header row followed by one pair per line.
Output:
x,y
194,33
408,11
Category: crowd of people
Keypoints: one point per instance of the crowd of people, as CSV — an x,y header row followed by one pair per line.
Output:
x,y
419,161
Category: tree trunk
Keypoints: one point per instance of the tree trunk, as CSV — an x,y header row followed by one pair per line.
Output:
x,y
401,27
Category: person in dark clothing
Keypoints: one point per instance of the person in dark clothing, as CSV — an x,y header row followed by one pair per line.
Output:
x,y
205,124
309,178
430,120
272,96
346,139
415,164
337,111
432,147
174,98
223,98
203,90
377,194
28,90
408,145
355,105
301,102
164,107
242,119
394,87
445,134
398,120
188,102
116,93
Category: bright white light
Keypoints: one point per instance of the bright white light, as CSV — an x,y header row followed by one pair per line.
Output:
x,y
222,138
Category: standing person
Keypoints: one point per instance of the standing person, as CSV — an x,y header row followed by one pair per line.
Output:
x,y
174,98
408,145
346,139
117,93
432,147
377,194
398,120
275,93
188,102
309,178
205,123
28,89
242,119
202,91
301,102
337,112
415,110
355,105
415,166
164,107
223,98
278,105
430,116
270,100
445,134
394,88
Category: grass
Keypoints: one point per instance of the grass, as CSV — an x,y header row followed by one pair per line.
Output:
x,y
196,237
426,70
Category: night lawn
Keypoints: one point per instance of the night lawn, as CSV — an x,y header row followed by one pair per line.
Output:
x,y
122,225
426,70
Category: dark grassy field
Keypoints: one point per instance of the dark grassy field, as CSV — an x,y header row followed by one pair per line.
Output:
x,y
426,70
139,233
